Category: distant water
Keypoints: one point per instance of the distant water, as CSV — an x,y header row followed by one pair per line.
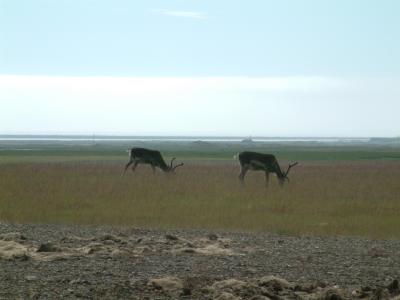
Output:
x,y
51,138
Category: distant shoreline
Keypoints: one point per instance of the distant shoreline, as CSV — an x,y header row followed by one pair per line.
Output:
x,y
44,137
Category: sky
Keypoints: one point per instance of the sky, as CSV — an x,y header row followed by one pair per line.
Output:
x,y
200,67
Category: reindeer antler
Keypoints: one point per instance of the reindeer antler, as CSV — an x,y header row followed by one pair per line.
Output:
x,y
290,166
173,168
180,165
172,160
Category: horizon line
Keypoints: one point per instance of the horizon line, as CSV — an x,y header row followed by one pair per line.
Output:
x,y
91,135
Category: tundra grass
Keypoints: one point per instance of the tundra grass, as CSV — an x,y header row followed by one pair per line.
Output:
x,y
330,198
284,152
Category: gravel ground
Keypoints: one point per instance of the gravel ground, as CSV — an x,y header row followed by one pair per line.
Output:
x,y
57,261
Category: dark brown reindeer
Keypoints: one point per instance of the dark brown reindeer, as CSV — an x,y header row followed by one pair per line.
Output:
x,y
262,162
150,157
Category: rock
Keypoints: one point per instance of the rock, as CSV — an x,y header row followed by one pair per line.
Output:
x,y
332,294
212,249
91,248
229,284
310,287
302,295
226,296
276,283
110,237
380,293
186,291
79,281
212,237
190,244
31,277
260,297
48,247
167,283
10,250
356,293
12,236
270,294
171,237
393,287
119,253
142,250
187,250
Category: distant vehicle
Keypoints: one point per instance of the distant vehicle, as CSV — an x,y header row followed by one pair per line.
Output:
x,y
151,157
262,162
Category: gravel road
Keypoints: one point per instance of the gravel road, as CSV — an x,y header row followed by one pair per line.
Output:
x,y
92,262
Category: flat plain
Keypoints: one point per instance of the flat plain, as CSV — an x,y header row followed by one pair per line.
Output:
x,y
69,212
353,190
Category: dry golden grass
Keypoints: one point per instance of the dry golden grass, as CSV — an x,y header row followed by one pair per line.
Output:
x,y
354,198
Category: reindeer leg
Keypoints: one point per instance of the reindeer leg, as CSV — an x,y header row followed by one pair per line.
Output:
x,y
153,168
127,165
266,178
242,173
134,166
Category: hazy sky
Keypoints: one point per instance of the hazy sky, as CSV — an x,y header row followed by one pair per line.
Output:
x,y
204,67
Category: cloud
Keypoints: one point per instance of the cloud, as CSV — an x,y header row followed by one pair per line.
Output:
x,y
174,85
181,13
237,105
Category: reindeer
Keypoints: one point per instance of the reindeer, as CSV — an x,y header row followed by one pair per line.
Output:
x,y
150,157
262,162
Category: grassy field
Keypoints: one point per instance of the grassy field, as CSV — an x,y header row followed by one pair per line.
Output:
x,y
16,152
342,195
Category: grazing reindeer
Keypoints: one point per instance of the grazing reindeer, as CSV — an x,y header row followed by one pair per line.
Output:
x,y
262,162
151,157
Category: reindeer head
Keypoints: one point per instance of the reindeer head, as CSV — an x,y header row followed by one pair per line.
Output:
x,y
285,177
171,168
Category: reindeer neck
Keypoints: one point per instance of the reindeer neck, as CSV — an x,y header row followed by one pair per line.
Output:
x,y
279,171
163,166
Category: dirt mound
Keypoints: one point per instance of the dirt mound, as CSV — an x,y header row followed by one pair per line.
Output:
x,y
212,245
11,250
272,287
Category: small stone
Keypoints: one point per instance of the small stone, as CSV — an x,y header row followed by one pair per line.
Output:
x,y
48,247
356,293
78,281
333,294
212,237
393,287
167,283
109,238
31,277
227,296
186,291
171,237
274,282
231,284
188,250
260,297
